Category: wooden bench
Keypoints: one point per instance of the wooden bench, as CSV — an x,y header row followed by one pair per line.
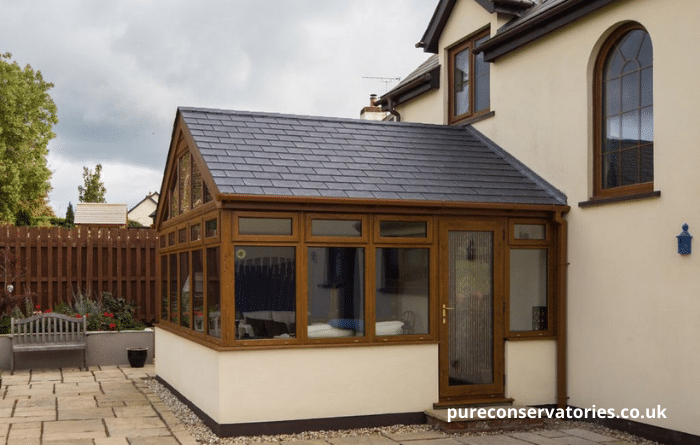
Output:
x,y
48,332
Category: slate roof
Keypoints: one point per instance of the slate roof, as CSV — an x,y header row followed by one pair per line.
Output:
x,y
251,153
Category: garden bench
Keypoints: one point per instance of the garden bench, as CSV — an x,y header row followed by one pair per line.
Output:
x,y
48,332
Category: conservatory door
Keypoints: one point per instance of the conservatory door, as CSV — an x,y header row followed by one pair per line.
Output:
x,y
470,312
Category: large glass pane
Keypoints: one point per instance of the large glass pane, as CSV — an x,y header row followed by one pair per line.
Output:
x,y
647,124
265,226
630,92
185,288
198,290
612,97
630,126
185,183
164,287
481,80
630,166
461,82
403,288
611,170
213,292
630,43
470,313
336,282
197,195
403,229
265,288
336,227
528,290
647,85
173,289
646,155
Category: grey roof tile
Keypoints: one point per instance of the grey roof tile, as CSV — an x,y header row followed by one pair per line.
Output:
x,y
253,153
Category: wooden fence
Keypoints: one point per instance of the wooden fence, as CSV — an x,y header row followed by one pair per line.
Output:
x,y
55,263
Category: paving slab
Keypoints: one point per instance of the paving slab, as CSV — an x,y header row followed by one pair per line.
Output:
x,y
499,439
590,435
369,439
420,435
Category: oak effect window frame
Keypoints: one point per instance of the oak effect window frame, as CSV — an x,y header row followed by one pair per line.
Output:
x,y
611,118
478,75
547,245
294,222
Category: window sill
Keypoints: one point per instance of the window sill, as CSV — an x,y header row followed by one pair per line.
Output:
x,y
475,119
615,199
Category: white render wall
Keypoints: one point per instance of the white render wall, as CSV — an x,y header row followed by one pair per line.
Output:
x,y
633,301
295,384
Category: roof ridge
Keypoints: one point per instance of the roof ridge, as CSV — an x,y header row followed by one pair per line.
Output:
x,y
352,120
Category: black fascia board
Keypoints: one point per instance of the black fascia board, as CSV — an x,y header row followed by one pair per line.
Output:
x,y
540,25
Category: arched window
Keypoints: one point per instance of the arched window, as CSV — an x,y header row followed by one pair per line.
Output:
x,y
624,114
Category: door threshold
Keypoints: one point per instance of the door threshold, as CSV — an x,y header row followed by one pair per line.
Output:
x,y
472,401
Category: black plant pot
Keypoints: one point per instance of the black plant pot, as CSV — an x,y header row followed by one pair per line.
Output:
x,y
137,356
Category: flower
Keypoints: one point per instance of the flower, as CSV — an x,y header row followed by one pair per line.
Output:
x,y
78,316
38,307
112,325
107,314
48,311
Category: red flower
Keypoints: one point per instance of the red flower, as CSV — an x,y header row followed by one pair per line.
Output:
x,y
38,307
112,325
48,310
78,316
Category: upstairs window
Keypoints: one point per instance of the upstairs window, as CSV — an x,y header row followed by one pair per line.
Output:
x,y
624,149
469,80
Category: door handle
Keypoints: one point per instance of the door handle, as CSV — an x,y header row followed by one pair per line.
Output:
x,y
444,312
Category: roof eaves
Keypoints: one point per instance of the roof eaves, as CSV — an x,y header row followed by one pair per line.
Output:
x,y
535,23
552,191
403,93
431,37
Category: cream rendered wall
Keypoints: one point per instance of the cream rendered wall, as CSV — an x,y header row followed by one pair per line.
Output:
x,y
633,302
293,384
527,381
190,368
426,108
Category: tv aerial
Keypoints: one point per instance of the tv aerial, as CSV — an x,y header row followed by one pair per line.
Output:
x,y
386,80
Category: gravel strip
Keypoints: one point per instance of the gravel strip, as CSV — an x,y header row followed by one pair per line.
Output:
x,y
203,434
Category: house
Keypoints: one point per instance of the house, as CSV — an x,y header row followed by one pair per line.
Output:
x,y
142,211
100,214
594,96
506,241
323,273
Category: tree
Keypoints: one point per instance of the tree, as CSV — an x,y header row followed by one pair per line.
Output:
x,y
27,116
94,190
70,215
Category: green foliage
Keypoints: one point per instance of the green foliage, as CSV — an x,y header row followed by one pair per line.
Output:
x,y
27,116
132,223
105,313
94,190
70,215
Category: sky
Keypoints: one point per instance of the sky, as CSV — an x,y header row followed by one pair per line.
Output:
x,y
120,69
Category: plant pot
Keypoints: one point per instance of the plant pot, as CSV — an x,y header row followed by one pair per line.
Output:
x,y
137,356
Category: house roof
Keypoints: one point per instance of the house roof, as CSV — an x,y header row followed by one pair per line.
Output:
x,y
266,154
425,77
100,213
531,20
151,197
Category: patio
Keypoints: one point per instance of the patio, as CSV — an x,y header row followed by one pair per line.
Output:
x,y
113,405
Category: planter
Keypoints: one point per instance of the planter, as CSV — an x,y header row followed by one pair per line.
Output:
x,y
137,356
